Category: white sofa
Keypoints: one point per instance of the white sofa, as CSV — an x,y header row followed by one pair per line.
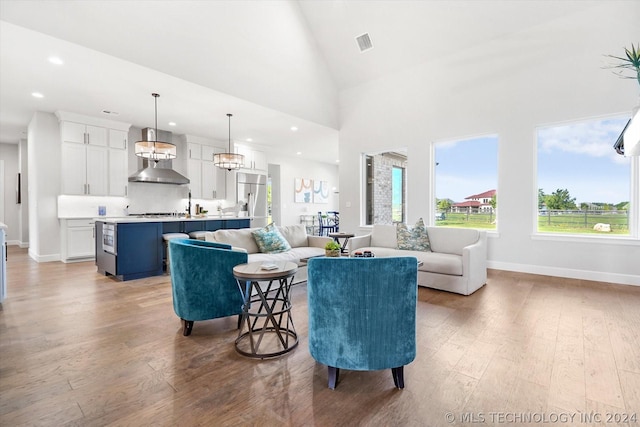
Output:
x,y
457,263
302,245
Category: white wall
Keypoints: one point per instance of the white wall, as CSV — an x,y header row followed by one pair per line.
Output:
x,y
291,168
24,206
477,92
9,154
43,151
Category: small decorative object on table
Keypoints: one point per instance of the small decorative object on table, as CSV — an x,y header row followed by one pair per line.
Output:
x,y
332,249
365,254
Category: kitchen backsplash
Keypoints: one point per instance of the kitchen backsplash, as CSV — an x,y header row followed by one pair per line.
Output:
x,y
143,198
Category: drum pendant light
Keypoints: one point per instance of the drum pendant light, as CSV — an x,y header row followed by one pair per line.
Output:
x,y
155,150
229,160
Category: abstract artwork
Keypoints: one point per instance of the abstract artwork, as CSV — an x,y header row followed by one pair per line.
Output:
x,y
320,192
303,189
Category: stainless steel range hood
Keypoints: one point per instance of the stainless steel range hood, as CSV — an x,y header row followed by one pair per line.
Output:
x,y
157,172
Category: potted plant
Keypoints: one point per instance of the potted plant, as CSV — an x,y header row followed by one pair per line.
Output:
x,y
332,249
631,61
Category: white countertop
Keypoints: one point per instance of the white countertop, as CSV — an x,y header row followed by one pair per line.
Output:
x,y
3,226
129,219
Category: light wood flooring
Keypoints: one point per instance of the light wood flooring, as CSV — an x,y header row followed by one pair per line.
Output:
x,y
77,348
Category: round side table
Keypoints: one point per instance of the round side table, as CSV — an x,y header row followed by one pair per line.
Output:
x,y
267,328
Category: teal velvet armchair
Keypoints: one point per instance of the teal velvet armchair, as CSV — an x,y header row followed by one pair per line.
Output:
x,y
202,280
362,314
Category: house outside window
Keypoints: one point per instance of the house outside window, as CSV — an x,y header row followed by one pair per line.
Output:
x,y
584,186
466,177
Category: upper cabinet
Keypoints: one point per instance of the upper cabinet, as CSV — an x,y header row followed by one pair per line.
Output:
x,y
207,181
94,155
253,159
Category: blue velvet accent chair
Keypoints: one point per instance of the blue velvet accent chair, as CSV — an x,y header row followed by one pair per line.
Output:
x,y
362,314
202,280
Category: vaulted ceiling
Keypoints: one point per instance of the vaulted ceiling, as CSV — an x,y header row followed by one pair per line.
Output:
x,y
273,64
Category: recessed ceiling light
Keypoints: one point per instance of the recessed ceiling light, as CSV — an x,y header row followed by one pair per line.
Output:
x,y
37,95
249,139
294,128
55,60
338,161
172,123
299,152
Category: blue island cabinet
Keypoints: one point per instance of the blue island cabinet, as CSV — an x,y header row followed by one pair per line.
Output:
x,y
137,254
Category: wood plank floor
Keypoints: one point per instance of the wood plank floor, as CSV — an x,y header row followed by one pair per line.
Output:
x,y
77,348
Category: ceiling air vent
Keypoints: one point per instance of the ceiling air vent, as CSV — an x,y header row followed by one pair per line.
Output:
x,y
364,42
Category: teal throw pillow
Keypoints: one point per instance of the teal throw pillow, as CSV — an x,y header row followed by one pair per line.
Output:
x,y
414,239
270,240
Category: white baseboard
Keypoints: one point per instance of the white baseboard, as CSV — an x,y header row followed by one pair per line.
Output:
x,y
597,276
44,258
18,243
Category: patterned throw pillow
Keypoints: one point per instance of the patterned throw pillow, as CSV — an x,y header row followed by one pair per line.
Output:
x,y
403,235
270,240
415,239
419,237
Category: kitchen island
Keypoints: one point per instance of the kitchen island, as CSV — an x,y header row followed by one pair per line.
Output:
x,y
132,247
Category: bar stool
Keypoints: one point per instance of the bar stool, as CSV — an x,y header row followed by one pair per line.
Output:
x,y
198,235
166,237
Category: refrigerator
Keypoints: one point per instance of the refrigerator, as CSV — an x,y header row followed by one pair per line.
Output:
x,y
251,195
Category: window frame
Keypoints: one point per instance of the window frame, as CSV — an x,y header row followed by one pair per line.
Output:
x,y
363,182
433,206
633,237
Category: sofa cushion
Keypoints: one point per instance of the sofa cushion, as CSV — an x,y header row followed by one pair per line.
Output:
x,y
239,238
296,235
432,262
452,240
384,235
293,255
270,240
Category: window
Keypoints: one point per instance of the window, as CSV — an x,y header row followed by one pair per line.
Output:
x,y
384,187
397,193
466,177
582,181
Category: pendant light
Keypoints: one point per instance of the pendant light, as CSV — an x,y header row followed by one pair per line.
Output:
x,y
228,160
155,150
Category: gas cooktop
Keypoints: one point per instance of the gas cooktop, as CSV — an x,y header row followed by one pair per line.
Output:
x,y
158,215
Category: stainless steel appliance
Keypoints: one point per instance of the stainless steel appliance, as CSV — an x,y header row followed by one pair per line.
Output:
x,y
159,172
109,236
251,194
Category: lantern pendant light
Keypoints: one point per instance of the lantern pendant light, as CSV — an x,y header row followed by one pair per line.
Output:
x,y
228,160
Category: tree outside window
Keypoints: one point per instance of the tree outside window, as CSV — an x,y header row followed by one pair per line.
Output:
x,y
581,180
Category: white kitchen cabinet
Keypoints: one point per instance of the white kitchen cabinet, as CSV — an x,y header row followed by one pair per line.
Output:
x,y
78,239
214,181
207,181
254,160
84,169
194,169
118,166
94,158
3,262
118,139
195,151
84,134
